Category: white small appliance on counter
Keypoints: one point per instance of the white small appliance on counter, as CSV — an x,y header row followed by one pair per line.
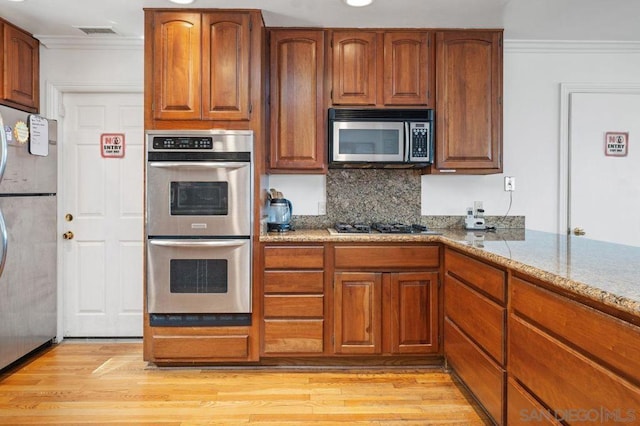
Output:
x,y
475,217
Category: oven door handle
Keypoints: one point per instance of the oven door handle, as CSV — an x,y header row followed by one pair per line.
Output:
x,y
198,244
196,165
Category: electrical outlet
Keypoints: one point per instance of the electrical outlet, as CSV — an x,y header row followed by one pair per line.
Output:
x,y
509,183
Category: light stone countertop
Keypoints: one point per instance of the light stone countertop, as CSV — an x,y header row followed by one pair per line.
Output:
x,y
604,272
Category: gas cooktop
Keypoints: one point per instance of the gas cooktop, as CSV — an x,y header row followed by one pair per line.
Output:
x,y
384,228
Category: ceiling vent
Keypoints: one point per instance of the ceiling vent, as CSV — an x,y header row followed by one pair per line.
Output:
x,y
97,30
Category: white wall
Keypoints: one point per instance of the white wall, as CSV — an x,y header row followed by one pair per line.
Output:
x,y
533,72
97,64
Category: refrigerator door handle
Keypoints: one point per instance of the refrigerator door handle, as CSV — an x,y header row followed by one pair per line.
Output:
x,y
4,241
4,147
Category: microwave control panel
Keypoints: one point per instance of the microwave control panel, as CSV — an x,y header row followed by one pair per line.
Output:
x,y
419,141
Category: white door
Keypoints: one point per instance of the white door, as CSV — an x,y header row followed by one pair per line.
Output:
x,y
102,262
604,190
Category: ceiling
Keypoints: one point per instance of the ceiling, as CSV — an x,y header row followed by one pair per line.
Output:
x,y
588,20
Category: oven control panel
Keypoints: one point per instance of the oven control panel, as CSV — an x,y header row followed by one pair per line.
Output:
x,y
183,142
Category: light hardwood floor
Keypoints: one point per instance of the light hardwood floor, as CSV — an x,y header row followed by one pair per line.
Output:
x,y
108,383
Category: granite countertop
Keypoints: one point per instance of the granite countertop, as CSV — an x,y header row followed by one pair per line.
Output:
x,y
604,272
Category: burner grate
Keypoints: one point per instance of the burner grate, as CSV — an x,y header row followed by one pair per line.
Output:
x,y
384,228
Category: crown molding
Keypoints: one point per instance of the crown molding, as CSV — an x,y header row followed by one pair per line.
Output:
x,y
91,43
570,46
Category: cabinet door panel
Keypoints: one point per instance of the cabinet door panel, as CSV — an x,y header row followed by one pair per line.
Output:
x,y
21,68
481,374
226,53
293,336
293,281
387,256
406,68
308,306
354,67
297,100
563,378
357,305
176,66
610,340
294,257
414,313
481,276
523,409
469,86
483,320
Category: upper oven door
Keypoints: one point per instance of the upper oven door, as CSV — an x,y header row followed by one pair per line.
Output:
x,y
368,141
198,198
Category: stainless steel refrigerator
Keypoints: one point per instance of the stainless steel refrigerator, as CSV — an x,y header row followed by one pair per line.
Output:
x,y
28,233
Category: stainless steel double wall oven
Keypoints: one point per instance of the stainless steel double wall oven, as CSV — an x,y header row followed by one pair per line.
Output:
x,y
199,187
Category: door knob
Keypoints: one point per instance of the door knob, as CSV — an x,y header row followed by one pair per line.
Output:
x,y
578,231
68,235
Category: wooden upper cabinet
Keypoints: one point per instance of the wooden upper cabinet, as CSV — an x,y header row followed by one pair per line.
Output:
x,y
355,67
20,69
176,66
225,54
297,101
200,65
408,65
382,68
469,101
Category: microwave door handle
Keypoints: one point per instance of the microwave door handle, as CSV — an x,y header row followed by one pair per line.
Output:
x,y
407,141
196,165
197,244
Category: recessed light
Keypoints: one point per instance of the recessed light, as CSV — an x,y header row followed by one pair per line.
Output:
x,y
358,3
181,1
17,0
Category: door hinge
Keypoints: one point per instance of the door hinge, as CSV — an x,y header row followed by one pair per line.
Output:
x,y
250,24
61,109
500,42
250,108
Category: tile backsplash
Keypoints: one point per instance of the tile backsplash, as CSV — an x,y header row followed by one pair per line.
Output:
x,y
382,195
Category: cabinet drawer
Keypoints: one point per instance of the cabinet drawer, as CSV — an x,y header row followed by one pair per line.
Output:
x,y
486,278
609,339
357,257
294,257
195,348
561,377
482,375
524,410
293,306
286,336
480,318
293,282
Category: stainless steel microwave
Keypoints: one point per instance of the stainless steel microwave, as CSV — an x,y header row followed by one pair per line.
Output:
x,y
380,137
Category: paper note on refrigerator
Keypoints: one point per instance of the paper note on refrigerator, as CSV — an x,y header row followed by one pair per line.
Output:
x,y
38,135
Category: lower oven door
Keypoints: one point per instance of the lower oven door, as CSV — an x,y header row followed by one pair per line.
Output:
x,y
199,276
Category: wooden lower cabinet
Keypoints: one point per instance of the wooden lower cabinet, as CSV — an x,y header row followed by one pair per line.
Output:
x,y
293,300
524,409
475,327
578,362
199,344
479,372
386,313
